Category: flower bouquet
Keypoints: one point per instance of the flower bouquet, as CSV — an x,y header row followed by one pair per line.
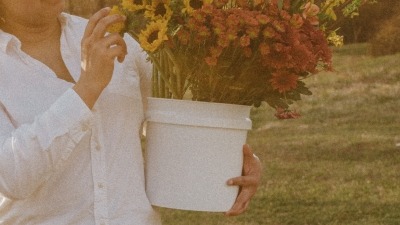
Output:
x,y
234,51
239,52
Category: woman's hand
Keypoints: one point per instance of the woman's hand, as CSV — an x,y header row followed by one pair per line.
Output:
x,y
98,55
248,183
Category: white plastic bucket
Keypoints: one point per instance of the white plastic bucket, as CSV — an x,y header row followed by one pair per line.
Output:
x,y
192,149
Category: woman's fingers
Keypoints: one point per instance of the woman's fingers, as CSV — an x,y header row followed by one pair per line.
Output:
x,y
101,27
238,208
117,46
244,181
248,182
94,20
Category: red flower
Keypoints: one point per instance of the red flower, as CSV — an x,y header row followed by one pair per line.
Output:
x,y
284,81
183,36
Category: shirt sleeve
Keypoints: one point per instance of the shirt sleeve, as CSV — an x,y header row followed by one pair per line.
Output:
x,y
142,66
30,153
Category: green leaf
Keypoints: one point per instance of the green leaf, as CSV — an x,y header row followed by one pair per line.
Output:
x,y
280,4
302,89
294,95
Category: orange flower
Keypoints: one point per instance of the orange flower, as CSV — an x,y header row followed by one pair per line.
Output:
x,y
296,21
253,32
183,36
219,29
231,34
268,32
263,19
264,49
203,31
244,41
284,81
278,26
223,41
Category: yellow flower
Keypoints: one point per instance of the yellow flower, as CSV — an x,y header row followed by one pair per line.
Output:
x,y
153,36
133,5
335,39
191,5
159,10
116,27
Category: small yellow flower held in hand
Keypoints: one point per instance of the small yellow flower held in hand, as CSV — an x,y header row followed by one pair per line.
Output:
x,y
116,27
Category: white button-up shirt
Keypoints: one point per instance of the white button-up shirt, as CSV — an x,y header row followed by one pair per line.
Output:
x,y
61,163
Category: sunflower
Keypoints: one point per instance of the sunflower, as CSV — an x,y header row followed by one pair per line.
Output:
x,y
116,27
133,5
154,35
159,10
191,5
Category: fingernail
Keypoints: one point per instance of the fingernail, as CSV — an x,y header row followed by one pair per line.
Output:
x,y
230,182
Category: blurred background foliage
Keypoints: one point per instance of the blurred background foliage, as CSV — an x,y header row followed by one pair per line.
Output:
x,y
377,24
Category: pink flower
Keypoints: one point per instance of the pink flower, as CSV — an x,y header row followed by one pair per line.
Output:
x,y
311,13
310,10
286,114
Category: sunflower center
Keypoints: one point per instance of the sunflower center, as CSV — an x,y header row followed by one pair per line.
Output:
x,y
152,37
137,2
160,10
196,4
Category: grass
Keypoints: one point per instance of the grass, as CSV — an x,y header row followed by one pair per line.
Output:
x,y
336,165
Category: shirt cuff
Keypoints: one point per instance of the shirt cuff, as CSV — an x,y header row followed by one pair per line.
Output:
x,y
69,114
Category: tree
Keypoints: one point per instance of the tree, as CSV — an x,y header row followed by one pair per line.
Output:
x,y
371,17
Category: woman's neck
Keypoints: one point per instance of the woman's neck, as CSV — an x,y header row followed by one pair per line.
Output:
x,y
33,34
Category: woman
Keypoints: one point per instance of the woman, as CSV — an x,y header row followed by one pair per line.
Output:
x,y
67,111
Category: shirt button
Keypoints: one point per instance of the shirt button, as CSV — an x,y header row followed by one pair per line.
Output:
x,y
85,127
100,185
98,147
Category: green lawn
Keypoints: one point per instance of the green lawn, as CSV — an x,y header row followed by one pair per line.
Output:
x,y
337,164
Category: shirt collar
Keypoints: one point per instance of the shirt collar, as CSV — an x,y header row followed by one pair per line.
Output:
x,y
8,40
